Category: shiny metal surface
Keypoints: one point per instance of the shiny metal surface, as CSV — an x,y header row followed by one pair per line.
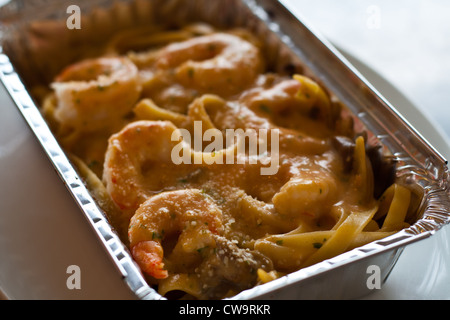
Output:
x,y
344,276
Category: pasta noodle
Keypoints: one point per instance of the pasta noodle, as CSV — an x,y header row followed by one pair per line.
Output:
x,y
203,229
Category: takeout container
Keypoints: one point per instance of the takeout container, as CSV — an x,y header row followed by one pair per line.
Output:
x,y
36,43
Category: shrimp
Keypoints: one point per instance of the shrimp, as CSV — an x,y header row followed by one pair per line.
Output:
x,y
141,149
218,63
307,196
95,93
188,215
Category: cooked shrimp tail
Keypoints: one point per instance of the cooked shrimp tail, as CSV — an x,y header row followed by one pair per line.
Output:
x,y
149,256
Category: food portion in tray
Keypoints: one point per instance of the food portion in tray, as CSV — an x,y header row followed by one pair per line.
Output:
x,y
148,126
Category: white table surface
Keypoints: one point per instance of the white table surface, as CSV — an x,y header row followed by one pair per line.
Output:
x,y
42,231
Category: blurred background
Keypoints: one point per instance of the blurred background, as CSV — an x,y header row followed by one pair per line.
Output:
x,y
407,42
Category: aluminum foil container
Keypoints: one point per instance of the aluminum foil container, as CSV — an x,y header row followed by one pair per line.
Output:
x,y
31,32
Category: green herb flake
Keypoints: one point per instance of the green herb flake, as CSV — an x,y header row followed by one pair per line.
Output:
x,y
265,108
190,72
156,235
93,164
201,250
317,245
212,47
